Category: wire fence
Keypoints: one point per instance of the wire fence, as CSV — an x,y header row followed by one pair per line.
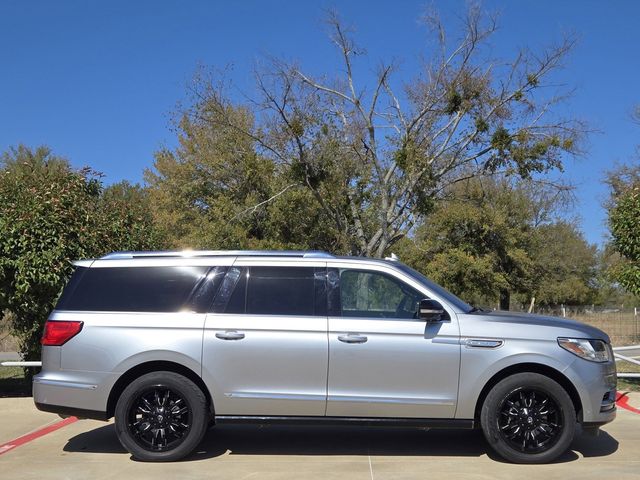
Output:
x,y
622,323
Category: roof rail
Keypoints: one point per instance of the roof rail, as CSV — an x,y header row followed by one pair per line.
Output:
x,y
217,253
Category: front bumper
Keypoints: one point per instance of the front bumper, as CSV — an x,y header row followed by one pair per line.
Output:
x,y
596,385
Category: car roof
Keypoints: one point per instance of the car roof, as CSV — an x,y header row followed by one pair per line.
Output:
x,y
217,253
208,257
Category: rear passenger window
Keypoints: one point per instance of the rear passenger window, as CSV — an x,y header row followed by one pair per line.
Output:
x,y
280,291
131,289
273,291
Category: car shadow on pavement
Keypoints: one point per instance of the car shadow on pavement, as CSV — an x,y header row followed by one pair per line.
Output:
x,y
326,441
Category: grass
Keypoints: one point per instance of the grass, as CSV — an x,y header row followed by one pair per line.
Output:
x,y
13,382
622,327
628,384
8,343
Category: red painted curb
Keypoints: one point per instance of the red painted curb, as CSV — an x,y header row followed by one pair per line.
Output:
x,y
4,448
622,401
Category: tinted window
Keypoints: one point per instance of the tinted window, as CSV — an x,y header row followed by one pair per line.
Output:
x,y
333,292
281,291
204,293
238,295
131,289
373,294
320,292
227,288
273,291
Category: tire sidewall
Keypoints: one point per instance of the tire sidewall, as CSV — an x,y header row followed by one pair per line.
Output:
x,y
490,411
193,396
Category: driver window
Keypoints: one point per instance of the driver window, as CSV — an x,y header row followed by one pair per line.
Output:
x,y
374,294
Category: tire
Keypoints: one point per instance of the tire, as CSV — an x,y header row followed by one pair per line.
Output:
x,y
533,403
161,417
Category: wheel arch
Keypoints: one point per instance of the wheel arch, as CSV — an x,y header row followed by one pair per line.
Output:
x,y
154,366
545,370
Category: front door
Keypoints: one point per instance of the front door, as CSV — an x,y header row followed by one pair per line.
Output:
x,y
383,361
265,349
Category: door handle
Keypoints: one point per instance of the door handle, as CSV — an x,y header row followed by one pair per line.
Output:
x,y
351,338
230,335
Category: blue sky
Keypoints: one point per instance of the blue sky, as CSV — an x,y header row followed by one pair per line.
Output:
x,y
97,81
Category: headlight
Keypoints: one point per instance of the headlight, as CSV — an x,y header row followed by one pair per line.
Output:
x,y
592,350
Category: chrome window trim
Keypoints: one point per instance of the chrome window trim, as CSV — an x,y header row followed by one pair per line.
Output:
x,y
165,262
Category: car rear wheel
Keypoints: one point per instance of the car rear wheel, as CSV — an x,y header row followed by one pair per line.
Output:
x,y
528,418
161,416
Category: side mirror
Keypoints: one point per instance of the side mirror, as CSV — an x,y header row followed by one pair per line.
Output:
x,y
430,311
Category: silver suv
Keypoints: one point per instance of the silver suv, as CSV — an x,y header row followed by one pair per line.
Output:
x,y
172,342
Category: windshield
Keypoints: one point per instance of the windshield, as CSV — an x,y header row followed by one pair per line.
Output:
x,y
437,289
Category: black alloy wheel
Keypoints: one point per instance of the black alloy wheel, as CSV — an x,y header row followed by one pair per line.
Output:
x,y
530,420
159,419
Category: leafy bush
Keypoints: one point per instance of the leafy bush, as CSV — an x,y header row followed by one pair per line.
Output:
x,y
624,220
50,215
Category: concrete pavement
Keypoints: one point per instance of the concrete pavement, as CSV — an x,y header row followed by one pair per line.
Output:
x,y
90,449
18,416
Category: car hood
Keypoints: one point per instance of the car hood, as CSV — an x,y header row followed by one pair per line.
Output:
x,y
568,326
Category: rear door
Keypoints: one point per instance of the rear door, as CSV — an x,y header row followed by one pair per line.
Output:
x,y
265,346
383,361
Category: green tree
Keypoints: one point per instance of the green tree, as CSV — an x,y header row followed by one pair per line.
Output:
x,y
608,288
624,221
375,157
50,215
566,266
215,191
492,239
126,218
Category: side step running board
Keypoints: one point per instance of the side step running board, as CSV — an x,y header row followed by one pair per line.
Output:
x,y
361,421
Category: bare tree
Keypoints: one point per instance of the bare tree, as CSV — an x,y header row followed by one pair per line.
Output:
x,y
376,157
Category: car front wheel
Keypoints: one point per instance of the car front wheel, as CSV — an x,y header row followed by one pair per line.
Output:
x,y
161,416
528,418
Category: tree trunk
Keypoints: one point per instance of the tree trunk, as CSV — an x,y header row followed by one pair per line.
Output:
x,y
505,299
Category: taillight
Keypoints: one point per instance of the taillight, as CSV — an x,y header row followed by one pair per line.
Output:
x,y
58,333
